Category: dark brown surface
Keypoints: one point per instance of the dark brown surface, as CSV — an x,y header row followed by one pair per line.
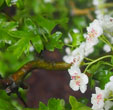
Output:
x,y
46,84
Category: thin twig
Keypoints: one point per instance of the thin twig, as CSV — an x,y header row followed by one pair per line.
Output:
x,y
21,99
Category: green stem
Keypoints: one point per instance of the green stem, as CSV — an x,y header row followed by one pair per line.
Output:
x,y
44,37
69,45
102,38
88,59
110,99
106,63
106,5
89,64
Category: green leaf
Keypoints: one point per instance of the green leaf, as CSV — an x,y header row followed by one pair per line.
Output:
x,y
5,29
42,106
100,71
10,64
56,104
77,105
80,22
103,77
27,35
18,3
5,102
111,60
18,34
37,43
53,104
77,38
30,26
8,2
96,67
67,107
47,24
19,47
1,2
54,42
30,109
92,82
83,100
3,69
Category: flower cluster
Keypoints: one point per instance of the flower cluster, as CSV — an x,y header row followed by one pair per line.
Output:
x,y
105,20
102,100
75,57
100,11
80,80
107,25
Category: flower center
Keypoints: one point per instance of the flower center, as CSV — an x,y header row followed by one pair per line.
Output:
x,y
92,33
77,79
75,60
99,97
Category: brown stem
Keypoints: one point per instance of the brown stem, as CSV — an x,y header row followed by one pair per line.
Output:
x,y
39,64
76,11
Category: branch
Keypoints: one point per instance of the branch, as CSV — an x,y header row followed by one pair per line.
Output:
x,y
39,64
76,11
18,76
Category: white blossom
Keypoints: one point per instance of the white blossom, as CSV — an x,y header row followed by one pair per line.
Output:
x,y
107,48
76,56
31,49
109,86
68,50
98,2
108,105
48,1
108,93
66,40
76,30
100,11
14,1
89,45
78,80
106,23
98,99
94,30
89,50
90,41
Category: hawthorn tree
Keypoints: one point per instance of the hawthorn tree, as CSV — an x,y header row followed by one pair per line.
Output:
x,y
81,29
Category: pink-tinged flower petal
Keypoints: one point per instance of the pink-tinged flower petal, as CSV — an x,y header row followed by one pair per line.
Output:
x,y
74,70
73,85
98,99
83,88
95,29
84,78
68,58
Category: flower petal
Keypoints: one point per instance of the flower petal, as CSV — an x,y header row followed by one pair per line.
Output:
x,y
74,69
84,78
111,78
73,85
83,88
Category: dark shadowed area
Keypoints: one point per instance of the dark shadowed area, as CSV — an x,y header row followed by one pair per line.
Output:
x,y
45,84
